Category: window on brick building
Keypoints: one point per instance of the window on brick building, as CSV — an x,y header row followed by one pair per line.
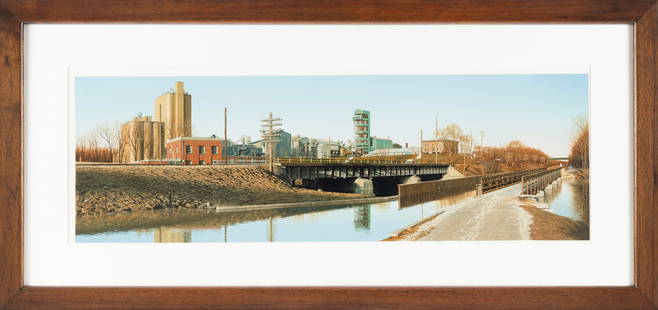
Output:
x,y
213,149
188,149
202,149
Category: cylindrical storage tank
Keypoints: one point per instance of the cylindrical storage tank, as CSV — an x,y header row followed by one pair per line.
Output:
x,y
171,121
158,140
188,116
137,140
148,140
179,114
124,156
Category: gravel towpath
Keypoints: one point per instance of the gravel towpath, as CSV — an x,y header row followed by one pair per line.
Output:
x,y
492,216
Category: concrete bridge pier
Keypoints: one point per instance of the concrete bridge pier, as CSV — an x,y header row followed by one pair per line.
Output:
x,y
306,183
540,196
363,186
412,180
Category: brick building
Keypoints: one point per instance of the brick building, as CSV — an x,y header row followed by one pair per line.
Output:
x,y
440,146
195,150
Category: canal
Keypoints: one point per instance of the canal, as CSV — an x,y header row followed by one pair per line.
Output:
x,y
358,222
571,199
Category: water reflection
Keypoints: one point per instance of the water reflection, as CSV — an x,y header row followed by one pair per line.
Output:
x,y
270,230
362,217
580,199
359,222
570,199
440,198
554,192
164,234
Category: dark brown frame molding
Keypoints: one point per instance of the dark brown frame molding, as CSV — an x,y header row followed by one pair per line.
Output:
x,y
641,13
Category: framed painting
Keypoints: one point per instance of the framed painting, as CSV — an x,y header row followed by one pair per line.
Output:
x,y
257,163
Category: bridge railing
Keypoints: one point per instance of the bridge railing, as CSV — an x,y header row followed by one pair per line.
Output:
x,y
239,161
415,193
300,160
536,182
495,181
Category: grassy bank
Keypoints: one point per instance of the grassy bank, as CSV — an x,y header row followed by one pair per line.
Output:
x,y
113,189
549,226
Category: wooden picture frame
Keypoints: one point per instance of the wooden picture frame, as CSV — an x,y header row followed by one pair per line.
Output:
x,y
641,13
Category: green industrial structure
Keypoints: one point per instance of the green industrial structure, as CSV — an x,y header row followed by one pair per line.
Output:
x,y
361,120
380,143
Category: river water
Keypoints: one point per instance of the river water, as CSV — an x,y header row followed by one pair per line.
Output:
x,y
358,222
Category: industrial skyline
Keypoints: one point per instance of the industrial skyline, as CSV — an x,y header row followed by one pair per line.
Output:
x,y
543,106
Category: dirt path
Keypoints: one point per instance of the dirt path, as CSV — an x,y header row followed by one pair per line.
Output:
x,y
492,216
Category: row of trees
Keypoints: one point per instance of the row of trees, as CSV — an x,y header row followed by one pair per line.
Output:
x,y
104,144
579,155
117,143
515,155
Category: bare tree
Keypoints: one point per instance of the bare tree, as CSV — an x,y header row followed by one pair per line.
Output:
x,y
454,132
110,136
90,147
120,143
579,155
134,137
80,148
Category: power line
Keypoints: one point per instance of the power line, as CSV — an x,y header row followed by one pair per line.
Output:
x,y
436,137
270,134
225,136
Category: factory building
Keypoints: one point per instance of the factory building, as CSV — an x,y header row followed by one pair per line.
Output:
x,y
195,150
142,139
281,148
248,150
328,150
315,148
380,143
303,147
361,119
174,108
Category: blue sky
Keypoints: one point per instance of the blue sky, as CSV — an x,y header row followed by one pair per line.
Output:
x,y
539,110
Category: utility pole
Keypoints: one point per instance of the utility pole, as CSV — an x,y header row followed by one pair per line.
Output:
x,y
472,149
464,154
270,134
436,138
421,144
225,137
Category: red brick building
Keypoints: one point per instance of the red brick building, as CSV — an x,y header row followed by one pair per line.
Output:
x,y
439,146
195,150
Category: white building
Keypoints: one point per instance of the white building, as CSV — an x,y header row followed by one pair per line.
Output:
x,y
328,150
391,152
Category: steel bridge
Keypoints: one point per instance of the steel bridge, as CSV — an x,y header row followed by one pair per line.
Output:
x,y
313,169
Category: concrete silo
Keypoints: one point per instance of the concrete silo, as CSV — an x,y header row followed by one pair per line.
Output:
x,y
174,108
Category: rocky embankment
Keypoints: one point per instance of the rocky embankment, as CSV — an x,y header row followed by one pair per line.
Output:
x,y
111,189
